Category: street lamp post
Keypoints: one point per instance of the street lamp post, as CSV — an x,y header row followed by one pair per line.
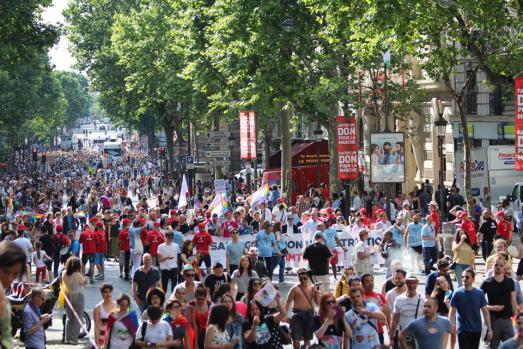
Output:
x,y
441,127
318,132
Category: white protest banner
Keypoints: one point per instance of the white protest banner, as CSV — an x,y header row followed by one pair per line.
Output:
x,y
217,249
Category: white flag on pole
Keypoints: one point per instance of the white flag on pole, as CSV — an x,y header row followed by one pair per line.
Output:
x,y
183,193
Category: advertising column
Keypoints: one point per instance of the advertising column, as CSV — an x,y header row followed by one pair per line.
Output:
x,y
518,114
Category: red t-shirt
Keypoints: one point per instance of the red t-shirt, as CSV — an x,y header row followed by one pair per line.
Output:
x,y
227,227
379,300
435,218
143,236
64,240
88,241
101,244
503,229
155,238
470,229
125,240
202,240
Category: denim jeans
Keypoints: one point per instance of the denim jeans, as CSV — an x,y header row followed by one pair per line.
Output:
x,y
430,256
458,270
281,271
275,260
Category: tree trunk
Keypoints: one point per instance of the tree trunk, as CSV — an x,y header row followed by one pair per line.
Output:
x,y
169,131
466,154
151,142
335,185
286,153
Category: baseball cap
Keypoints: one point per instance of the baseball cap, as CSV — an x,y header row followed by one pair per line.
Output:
x,y
126,221
187,267
60,228
156,224
318,235
99,224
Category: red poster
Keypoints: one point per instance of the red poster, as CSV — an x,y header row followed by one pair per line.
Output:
x,y
518,131
347,140
248,134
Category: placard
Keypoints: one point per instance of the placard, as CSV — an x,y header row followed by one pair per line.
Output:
x,y
347,141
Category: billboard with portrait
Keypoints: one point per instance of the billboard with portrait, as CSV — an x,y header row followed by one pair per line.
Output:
x,y
387,157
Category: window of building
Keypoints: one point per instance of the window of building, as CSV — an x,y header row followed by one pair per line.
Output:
x,y
470,99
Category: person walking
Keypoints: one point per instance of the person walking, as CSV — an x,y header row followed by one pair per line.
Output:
x,y
363,254
502,304
74,282
407,307
301,297
145,278
167,257
265,240
241,276
463,254
431,331
363,319
34,321
486,234
467,302
517,341
413,242
101,313
428,243
121,325
234,251
319,255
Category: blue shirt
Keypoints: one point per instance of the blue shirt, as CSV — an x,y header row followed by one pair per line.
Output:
x,y
428,230
429,334
364,335
75,248
396,235
329,235
414,234
178,239
30,318
468,305
265,242
235,251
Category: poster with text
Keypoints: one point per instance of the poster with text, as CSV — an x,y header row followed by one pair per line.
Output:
x,y
248,135
387,157
347,142
518,118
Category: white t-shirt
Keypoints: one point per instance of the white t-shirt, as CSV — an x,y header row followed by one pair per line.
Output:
x,y
26,245
168,251
120,336
39,262
392,295
155,333
406,308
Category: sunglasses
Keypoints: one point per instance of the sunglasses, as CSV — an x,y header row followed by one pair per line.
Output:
x,y
234,232
332,301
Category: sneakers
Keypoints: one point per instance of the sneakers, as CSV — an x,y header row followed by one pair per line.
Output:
x,y
100,277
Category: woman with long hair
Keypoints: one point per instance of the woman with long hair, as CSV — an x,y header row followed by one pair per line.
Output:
x,y
261,330
74,282
216,336
155,297
234,325
330,326
241,277
188,257
342,285
463,254
253,287
442,294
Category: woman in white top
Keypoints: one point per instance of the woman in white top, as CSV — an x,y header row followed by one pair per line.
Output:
x,y
101,313
216,336
39,258
122,325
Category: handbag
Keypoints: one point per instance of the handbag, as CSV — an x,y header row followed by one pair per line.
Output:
x,y
285,335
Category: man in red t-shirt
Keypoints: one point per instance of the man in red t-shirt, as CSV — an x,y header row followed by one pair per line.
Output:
x,y
504,228
227,225
468,226
155,239
101,250
125,247
88,242
367,281
202,240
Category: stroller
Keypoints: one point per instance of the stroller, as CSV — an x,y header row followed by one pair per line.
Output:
x,y
21,293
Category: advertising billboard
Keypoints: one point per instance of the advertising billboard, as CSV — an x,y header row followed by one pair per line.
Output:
x,y
248,135
347,141
387,157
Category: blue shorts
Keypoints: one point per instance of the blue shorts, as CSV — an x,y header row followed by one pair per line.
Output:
x,y
99,258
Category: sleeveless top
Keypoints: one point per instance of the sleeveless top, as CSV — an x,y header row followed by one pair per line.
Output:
x,y
104,315
219,338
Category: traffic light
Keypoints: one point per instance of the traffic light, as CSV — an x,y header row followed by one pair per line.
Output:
x,y
35,154
44,157
161,152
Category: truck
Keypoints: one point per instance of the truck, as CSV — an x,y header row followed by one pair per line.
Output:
x,y
113,151
492,167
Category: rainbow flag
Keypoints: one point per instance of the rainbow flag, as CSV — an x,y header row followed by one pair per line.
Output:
x,y
259,196
79,214
217,201
226,205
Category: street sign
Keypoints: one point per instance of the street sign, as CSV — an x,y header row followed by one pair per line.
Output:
x,y
189,162
220,163
217,153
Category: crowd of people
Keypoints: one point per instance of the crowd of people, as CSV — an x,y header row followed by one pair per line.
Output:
x,y
82,214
